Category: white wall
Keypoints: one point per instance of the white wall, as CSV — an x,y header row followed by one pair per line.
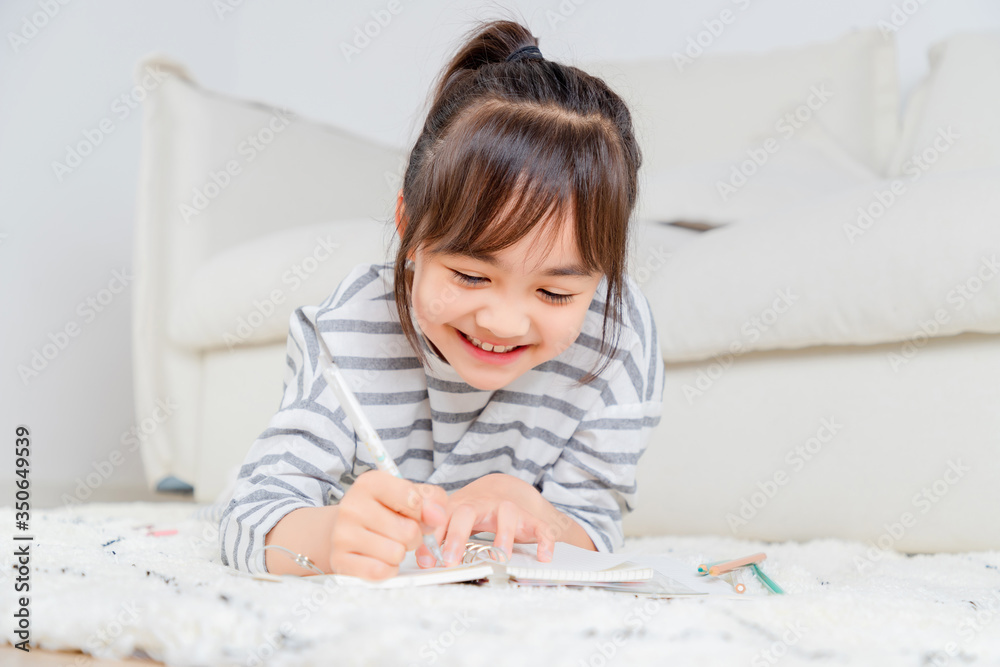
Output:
x,y
62,238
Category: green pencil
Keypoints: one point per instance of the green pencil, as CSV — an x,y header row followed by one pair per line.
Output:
x,y
768,582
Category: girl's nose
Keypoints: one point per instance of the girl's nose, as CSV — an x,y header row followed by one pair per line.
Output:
x,y
503,321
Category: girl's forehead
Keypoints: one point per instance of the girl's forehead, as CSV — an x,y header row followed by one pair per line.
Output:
x,y
550,250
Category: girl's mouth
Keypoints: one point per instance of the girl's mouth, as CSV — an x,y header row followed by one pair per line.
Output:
x,y
501,355
487,346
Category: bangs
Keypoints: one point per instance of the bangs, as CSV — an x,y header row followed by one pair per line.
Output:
x,y
502,169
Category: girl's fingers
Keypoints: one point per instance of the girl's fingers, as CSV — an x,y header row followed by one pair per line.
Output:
x,y
546,542
434,514
358,565
459,530
425,558
434,502
399,495
360,542
380,520
508,520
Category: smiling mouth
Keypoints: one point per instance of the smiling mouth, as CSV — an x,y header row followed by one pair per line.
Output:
x,y
502,349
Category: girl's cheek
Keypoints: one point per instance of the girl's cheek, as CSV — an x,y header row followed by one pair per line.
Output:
x,y
436,301
560,333
420,309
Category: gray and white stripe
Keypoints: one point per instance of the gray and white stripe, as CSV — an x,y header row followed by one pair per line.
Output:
x,y
578,445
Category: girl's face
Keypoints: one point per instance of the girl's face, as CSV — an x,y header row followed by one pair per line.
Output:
x,y
519,297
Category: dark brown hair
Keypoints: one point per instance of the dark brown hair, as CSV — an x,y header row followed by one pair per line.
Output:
x,y
507,145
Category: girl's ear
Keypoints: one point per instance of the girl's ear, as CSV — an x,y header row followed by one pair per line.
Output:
x,y
401,219
400,214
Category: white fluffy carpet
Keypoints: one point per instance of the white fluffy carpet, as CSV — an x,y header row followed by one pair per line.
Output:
x,y
100,583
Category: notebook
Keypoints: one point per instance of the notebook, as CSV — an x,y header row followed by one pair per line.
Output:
x,y
646,575
570,566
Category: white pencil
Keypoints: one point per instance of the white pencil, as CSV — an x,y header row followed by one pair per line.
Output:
x,y
366,432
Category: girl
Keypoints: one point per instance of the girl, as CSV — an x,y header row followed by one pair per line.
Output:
x,y
511,368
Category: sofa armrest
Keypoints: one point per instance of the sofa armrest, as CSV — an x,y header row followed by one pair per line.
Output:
x,y
215,173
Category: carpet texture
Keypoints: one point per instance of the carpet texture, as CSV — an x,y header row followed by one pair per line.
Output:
x,y
114,580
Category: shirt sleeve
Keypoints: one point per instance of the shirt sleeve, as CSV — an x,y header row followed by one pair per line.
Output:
x,y
593,480
300,458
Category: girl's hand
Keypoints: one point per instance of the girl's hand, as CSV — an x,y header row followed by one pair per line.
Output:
x,y
507,506
378,521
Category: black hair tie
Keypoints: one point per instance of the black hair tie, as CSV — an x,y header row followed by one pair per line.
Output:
x,y
525,52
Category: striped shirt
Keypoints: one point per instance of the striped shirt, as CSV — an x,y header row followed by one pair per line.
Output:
x,y
578,445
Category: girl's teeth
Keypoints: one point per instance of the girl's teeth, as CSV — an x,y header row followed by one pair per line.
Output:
x,y
489,346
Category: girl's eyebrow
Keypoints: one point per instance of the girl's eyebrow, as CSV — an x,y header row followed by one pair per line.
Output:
x,y
572,270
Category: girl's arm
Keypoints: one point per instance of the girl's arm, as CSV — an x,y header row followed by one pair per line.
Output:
x,y
305,531
366,534
285,469
300,460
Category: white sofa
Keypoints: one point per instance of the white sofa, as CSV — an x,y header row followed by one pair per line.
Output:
x,y
831,372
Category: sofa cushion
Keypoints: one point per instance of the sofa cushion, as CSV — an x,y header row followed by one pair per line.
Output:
x,y
960,96
772,176
901,261
830,441
719,106
246,295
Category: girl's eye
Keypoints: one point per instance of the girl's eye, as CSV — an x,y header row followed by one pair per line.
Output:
x,y
551,297
468,280
557,298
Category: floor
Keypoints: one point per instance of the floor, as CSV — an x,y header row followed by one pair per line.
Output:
x,y
47,496
52,497
12,657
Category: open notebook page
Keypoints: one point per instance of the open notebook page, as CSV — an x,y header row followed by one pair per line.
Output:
x,y
672,577
567,561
